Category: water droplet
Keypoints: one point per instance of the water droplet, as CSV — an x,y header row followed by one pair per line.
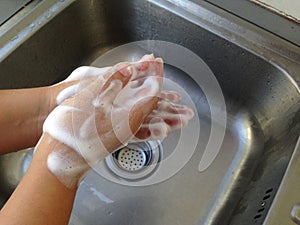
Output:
x,y
15,38
48,15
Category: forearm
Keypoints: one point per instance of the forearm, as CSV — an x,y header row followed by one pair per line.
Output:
x,y
40,198
22,115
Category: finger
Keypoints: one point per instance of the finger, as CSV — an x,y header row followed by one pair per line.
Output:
x,y
173,120
122,129
105,100
174,112
148,66
123,73
138,100
142,97
159,130
143,109
143,134
172,96
144,63
153,131
120,67
169,120
170,107
138,103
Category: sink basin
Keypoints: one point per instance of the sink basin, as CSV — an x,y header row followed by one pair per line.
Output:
x,y
256,125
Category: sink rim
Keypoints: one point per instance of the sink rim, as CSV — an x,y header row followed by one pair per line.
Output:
x,y
282,54
272,57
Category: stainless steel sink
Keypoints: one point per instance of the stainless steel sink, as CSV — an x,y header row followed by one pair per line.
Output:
x,y
258,74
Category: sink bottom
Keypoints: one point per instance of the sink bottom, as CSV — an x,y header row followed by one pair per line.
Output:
x,y
186,195
245,92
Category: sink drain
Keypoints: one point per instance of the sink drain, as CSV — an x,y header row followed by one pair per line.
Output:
x,y
136,160
132,159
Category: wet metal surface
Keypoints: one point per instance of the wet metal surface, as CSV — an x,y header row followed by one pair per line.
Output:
x,y
257,72
9,7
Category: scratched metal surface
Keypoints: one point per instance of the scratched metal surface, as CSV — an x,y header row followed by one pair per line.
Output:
x,y
10,7
257,72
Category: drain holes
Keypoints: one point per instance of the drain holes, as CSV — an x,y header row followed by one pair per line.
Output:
x,y
136,160
269,191
261,210
265,199
131,159
257,216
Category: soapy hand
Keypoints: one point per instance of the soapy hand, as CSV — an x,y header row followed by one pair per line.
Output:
x,y
165,118
102,116
108,108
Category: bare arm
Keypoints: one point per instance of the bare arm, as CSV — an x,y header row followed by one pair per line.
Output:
x,y
40,198
47,191
22,115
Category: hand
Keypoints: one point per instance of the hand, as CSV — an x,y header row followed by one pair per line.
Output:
x,y
102,116
166,118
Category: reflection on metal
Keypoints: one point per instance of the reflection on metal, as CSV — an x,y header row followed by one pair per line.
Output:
x,y
257,72
287,11
9,8
295,214
285,208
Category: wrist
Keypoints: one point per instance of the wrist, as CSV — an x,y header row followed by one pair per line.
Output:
x,y
51,93
61,161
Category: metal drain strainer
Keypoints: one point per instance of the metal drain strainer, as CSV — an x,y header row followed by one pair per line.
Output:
x,y
131,159
136,160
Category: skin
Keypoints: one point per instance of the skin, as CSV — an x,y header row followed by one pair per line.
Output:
x,y
53,205
39,195
22,115
41,198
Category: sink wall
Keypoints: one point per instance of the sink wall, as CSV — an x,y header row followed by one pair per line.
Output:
x,y
261,82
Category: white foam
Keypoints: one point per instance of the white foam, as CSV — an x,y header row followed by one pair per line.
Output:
x,y
157,123
126,96
76,128
106,98
87,71
67,93
67,166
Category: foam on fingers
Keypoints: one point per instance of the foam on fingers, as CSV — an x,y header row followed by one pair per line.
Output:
x,y
106,98
172,96
99,116
87,71
167,118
